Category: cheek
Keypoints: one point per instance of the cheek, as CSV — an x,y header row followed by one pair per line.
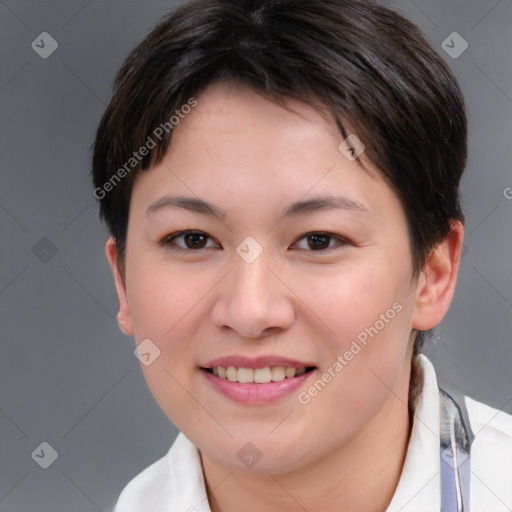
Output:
x,y
353,299
160,298
163,302
368,313
164,307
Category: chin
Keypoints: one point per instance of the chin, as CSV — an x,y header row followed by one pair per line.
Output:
x,y
258,455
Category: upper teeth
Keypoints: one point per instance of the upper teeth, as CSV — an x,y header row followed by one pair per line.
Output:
x,y
258,375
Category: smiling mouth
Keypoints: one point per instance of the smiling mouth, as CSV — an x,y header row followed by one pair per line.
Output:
x,y
258,375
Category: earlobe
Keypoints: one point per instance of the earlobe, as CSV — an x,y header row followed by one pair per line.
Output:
x,y
436,284
124,318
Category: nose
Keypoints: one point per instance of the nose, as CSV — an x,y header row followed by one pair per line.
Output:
x,y
253,300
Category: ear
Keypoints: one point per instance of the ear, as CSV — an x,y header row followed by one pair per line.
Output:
x,y
436,284
124,317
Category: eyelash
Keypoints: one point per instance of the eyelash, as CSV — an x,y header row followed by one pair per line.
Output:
x,y
168,241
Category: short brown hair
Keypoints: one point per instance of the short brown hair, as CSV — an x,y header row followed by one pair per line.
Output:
x,y
371,68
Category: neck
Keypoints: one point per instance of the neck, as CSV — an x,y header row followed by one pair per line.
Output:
x,y
372,462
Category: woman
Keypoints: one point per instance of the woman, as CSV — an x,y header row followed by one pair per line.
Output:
x,y
281,184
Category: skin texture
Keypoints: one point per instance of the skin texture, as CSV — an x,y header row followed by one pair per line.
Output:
x,y
252,158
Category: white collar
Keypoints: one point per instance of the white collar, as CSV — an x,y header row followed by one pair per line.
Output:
x,y
418,489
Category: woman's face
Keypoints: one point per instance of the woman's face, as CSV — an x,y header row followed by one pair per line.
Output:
x,y
274,279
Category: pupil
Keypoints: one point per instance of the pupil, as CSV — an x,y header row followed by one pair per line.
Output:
x,y
319,241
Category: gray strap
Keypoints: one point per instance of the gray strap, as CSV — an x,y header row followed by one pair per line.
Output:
x,y
456,437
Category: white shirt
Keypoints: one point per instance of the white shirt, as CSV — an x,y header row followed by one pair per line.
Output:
x,y
175,483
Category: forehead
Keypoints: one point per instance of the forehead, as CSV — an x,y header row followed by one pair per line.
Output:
x,y
231,107
236,146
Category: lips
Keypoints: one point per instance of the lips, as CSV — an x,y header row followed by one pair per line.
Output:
x,y
256,380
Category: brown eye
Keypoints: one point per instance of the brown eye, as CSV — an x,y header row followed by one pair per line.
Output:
x,y
317,242
190,240
195,240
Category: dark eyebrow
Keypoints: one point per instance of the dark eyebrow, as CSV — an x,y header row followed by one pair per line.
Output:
x,y
324,202
186,203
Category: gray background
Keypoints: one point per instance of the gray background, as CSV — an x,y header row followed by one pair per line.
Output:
x,y
68,375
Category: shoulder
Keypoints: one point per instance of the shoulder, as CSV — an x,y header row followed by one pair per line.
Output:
x,y
142,491
491,457
175,479
488,422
